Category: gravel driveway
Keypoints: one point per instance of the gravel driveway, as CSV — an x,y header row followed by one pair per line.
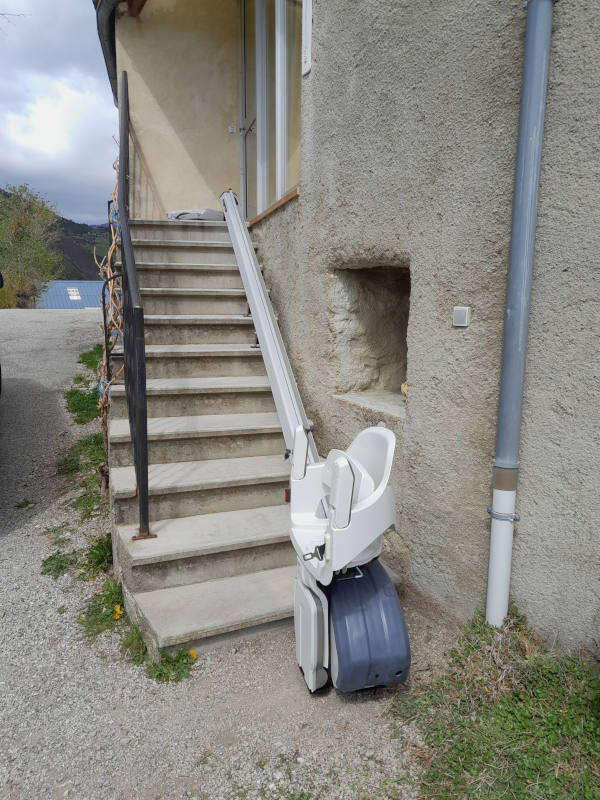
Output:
x,y
79,722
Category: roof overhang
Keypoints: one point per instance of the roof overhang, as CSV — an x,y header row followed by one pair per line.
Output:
x,y
106,14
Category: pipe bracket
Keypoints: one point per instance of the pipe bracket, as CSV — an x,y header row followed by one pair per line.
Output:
x,y
525,4
503,517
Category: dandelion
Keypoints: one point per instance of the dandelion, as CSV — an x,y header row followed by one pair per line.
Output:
x,y
118,611
193,655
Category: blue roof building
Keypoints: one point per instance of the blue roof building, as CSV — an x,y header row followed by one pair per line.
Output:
x,y
70,294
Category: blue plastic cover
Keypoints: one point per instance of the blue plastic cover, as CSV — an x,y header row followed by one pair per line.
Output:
x,y
369,641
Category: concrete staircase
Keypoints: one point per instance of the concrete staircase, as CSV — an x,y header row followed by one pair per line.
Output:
x,y
221,561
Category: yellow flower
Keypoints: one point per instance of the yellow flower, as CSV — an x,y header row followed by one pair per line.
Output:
x,y
118,612
91,580
193,655
84,566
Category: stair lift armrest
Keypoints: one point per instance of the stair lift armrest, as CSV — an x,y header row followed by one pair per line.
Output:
x,y
342,487
307,491
299,453
366,525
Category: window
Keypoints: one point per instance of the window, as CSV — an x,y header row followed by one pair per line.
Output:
x,y
272,77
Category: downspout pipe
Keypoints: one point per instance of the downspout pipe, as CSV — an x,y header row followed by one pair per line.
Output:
x,y
524,217
105,21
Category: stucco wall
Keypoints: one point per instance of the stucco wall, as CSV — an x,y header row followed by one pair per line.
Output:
x,y
409,124
181,58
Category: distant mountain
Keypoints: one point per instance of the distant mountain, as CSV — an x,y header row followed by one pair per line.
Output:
x,y
76,244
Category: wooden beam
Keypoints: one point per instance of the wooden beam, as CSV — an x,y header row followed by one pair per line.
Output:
x,y
291,195
135,6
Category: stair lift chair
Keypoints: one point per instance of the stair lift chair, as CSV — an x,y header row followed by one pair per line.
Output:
x,y
347,616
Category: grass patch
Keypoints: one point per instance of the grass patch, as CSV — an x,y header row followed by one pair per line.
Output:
x,y
83,404
103,611
89,503
91,358
510,720
58,563
133,646
81,380
98,557
171,668
82,460
83,454
57,535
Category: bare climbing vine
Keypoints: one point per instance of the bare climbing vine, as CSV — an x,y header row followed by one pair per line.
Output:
x,y
113,312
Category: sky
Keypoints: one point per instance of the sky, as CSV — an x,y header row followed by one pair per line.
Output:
x,y
57,116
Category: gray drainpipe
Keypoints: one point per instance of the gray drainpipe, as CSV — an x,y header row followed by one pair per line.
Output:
x,y
105,22
529,151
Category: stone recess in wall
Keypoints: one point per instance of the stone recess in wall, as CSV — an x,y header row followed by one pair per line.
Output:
x,y
369,310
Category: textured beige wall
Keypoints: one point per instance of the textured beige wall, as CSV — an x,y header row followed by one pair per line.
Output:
x,y
409,119
181,59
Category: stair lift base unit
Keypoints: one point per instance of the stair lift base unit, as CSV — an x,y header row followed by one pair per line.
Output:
x,y
367,633
347,615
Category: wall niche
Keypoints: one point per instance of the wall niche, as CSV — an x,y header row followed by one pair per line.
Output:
x,y
369,310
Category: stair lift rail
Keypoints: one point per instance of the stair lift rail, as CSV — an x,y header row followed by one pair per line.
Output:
x,y
134,351
283,384
339,511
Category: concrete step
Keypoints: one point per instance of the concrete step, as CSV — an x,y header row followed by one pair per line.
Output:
x,y
204,547
199,329
183,616
172,397
197,230
199,438
182,489
198,360
189,276
193,301
182,251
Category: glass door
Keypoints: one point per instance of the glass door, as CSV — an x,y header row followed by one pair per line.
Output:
x,y
270,110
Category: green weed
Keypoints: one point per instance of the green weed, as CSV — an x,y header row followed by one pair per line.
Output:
x,y
24,503
84,453
508,720
170,668
133,646
81,380
91,358
57,535
58,563
98,557
90,502
83,459
83,404
103,610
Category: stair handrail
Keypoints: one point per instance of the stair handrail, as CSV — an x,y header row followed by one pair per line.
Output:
x,y
288,402
134,350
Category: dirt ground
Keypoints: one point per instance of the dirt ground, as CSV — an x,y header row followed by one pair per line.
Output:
x,y
80,722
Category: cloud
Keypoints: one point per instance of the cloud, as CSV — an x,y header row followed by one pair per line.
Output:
x,y
57,117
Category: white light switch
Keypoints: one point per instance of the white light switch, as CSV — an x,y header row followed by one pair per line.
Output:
x,y
461,316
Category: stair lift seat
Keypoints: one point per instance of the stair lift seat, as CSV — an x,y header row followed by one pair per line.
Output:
x,y
340,509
